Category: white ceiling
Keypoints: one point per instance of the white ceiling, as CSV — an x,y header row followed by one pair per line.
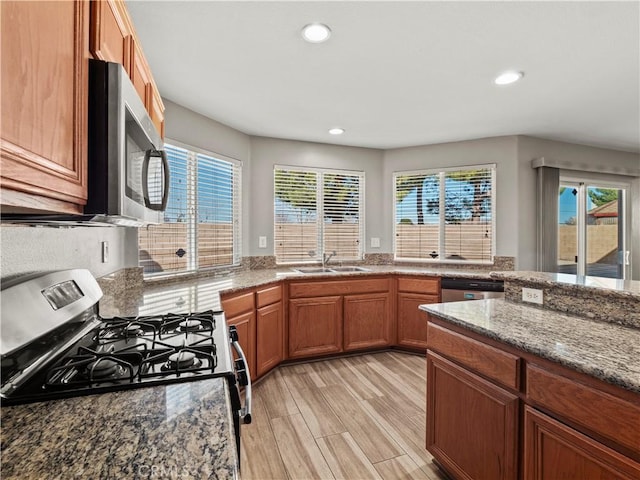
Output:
x,y
398,73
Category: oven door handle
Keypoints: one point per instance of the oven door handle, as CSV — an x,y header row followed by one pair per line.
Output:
x,y
245,376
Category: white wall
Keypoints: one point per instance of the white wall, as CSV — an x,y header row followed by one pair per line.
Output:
x,y
267,152
499,150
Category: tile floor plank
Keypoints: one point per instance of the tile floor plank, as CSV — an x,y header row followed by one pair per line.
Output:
x,y
315,410
400,468
300,453
369,435
276,396
259,450
345,458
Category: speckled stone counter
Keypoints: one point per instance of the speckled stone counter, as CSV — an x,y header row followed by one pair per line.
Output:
x,y
175,431
603,350
204,293
607,299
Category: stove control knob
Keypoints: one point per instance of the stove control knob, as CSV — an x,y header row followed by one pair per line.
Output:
x,y
233,333
241,373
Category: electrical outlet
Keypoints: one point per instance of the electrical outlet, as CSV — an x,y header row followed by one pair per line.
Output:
x,y
262,242
532,295
375,242
105,252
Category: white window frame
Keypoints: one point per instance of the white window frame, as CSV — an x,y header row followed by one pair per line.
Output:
x,y
582,182
192,206
320,224
441,230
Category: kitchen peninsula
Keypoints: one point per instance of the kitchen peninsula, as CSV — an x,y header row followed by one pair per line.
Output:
x,y
564,376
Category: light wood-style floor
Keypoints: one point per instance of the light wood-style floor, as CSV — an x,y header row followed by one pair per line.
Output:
x,y
350,418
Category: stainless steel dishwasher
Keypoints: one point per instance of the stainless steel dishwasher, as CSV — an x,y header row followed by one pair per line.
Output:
x,y
457,289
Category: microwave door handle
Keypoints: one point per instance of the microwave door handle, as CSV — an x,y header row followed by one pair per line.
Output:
x,y
167,178
145,179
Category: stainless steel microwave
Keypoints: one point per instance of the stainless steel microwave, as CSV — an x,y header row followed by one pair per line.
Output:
x,y
128,171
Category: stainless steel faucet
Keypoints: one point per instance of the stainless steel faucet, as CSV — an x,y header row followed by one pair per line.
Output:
x,y
325,257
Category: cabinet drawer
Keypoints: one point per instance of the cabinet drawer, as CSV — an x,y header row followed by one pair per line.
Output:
x,y
267,296
346,287
429,285
500,366
237,304
597,411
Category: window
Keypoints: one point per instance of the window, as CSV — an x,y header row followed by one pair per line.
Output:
x,y
318,212
593,228
445,215
201,226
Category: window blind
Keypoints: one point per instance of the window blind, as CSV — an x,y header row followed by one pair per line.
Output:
x,y
316,212
201,226
445,215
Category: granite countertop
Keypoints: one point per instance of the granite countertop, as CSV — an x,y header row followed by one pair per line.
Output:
x,y
201,294
181,430
606,351
612,287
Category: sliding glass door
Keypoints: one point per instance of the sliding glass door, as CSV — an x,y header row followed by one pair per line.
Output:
x,y
592,229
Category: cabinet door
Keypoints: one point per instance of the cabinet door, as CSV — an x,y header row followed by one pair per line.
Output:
x,y
315,326
141,76
111,38
45,48
472,425
269,338
553,450
367,321
412,322
246,326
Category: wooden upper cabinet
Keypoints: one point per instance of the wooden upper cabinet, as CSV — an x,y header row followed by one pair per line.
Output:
x,y
111,36
141,75
113,39
156,110
45,51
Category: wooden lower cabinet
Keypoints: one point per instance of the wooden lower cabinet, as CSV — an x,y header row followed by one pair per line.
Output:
x,y
246,327
367,321
412,322
472,424
553,450
315,326
269,337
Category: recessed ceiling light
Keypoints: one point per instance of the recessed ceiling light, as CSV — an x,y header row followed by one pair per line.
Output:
x,y
508,77
336,131
316,33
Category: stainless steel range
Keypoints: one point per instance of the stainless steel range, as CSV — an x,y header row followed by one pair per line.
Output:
x,y
54,344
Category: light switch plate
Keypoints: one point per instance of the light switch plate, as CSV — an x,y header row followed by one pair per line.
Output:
x,y
375,242
532,295
262,242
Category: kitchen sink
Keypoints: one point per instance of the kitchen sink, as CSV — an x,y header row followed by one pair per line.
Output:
x,y
312,270
350,269
337,269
